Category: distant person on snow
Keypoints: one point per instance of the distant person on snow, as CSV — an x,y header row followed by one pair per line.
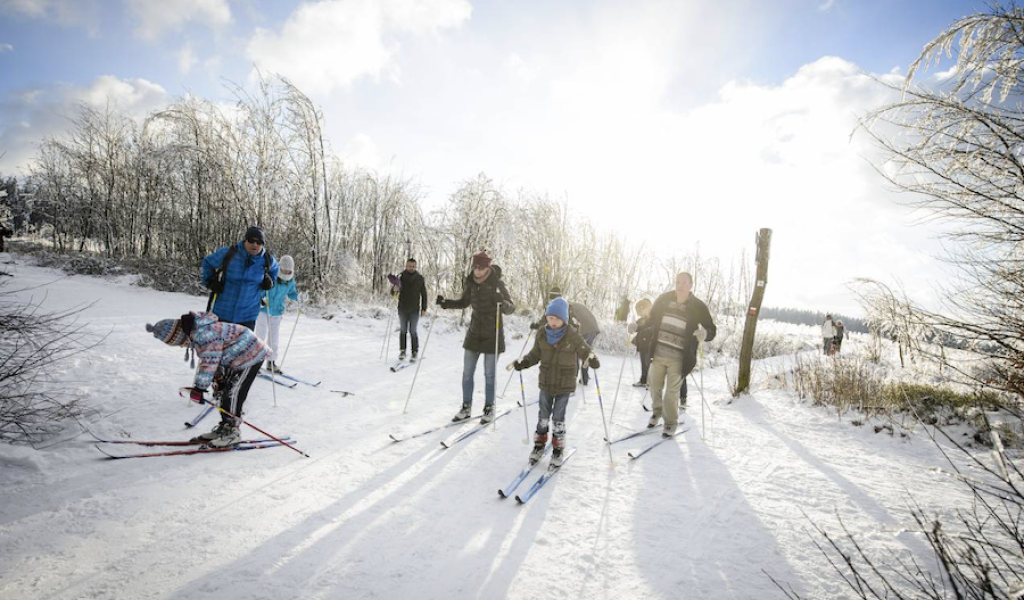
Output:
x,y
412,304
486,293
622,312
642,339
828,335
680,322
556,349
273,304
236,275
5,232
230,357
837,342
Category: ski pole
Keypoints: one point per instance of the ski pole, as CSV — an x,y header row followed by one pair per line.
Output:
x,y
700,388
607,435
526,420
385,346
280,363
527,341
418,363
497,340
622,370
276,439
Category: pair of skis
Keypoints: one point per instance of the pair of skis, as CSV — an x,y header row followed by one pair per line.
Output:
x,y
635,454
183,447
458,437
398,366
539,483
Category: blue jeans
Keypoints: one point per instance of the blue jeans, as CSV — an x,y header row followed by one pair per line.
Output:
x,y
552,406
408,320
469,369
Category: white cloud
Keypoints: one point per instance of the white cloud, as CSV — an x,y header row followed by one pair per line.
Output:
x,y
827,5
28,117
64,13
362,151
186,59
324,46
6,48
157,17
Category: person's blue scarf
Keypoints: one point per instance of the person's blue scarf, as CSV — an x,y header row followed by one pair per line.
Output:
x,y
554,335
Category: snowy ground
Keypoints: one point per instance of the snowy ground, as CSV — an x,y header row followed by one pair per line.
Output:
x,y
367,518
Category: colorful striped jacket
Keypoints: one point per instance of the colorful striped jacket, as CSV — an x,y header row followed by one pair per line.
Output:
x,y
223,344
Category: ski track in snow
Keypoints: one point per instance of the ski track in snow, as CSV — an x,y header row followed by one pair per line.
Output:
x,y
368,518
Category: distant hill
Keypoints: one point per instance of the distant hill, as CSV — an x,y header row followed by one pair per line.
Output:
x,y
807,317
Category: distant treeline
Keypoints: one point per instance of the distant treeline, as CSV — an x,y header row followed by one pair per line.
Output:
x,y
807,317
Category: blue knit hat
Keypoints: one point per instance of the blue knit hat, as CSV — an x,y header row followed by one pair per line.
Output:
x,y
559,308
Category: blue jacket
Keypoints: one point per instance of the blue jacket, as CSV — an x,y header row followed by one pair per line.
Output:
x,y
240,300
276,295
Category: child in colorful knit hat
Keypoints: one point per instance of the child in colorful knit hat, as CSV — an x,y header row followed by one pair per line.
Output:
x,y
556,348
228,353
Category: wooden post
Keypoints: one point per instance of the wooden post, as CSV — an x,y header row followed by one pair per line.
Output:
x,y
764,240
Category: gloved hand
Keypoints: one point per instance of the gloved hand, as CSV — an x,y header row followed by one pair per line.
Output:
x,y
536,325
304,297
196,395
700,334
440,300
592,361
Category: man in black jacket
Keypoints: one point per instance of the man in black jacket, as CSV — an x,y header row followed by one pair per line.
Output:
x,y
679,323
412,304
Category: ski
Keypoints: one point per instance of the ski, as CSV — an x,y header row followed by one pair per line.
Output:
x,y
448,443
545,477
635,455
519,403
343,393
634,434
177,442
202,415
504,493
400,438
296,379
398,366
200,450
278,381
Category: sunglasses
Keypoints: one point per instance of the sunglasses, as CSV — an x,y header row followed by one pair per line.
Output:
x,y
254,241
479,268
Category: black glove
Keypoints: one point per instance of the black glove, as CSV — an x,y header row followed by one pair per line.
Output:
x,y
216,283
593,362
535,326
267,283
518,366
440,300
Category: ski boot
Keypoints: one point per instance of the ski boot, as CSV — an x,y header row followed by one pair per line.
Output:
x,y
488,415
462,415
229,437
539,444
654,420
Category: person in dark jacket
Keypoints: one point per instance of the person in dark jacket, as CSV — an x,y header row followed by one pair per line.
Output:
x,y
679,323
556,349
642,339
412,304
837,342
238,285
5,232
486,293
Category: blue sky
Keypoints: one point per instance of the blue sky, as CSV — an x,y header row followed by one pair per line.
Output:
x,y
688,123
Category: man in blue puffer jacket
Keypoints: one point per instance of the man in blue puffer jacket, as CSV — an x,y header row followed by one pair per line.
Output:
x,y
237,285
